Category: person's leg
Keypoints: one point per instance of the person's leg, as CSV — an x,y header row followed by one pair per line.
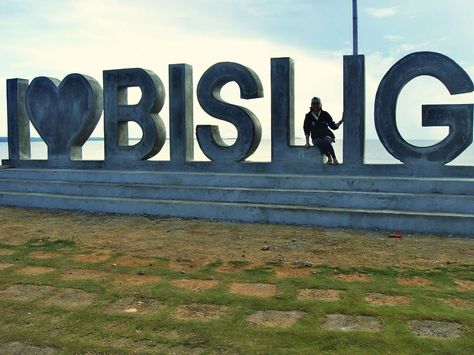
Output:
x,y
330,160
329,149
322,146
326,147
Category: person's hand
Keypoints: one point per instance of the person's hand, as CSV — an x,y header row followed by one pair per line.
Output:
x,y
306,145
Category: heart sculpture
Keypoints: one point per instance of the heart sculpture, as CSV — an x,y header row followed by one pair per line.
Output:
x,y
64,113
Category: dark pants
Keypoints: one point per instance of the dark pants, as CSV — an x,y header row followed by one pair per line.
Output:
x,y
325,146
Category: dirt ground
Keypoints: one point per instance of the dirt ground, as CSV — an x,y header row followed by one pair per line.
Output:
x,y
168,285
344,322
195,242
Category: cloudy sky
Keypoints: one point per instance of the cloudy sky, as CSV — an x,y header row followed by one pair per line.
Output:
x,y
54,38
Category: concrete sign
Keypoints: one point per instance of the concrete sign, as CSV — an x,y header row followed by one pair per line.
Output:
x,y
457,117
66,112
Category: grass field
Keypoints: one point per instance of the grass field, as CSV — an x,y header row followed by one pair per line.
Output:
x,y
71,295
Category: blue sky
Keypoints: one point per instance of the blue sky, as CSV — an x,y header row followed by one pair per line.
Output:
x,y
55,38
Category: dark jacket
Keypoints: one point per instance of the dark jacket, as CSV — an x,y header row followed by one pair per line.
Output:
x,y
319,128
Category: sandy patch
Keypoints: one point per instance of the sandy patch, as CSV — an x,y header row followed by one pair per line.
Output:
x,y
347,323
139,346
35,270
465,285
85,274
148,347
17,348
172,238
43,255
174,334
4,266
380,299
195,285
118,342
134,305
319,294
96,257
133,261
435,329
283,319
292,272
413,281
13,239
179,264
459,303
236,266
4,252
185,350
253,289
70,298
201,312
353,277
135,280
25,293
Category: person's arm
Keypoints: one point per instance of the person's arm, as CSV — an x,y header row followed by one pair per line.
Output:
x,y
307,130
341,121
331,123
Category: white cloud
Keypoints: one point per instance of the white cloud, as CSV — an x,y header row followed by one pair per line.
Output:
x,y
393,38
114,34
380,12
117,36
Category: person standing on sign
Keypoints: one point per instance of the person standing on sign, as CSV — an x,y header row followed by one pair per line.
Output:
x,y
318,124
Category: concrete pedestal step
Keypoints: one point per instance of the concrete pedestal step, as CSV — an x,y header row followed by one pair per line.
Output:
x,y
446,223
455,186
444,203
437,205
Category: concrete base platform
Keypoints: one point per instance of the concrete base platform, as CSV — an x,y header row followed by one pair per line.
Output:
x,y
428,205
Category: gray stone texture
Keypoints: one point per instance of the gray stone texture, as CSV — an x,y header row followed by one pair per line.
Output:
x,y
64,112
181,113
354,110
284,150
249,131
459,118
422,195
117,114
19,146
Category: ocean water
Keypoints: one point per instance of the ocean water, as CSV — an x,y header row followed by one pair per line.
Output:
x,y
375,153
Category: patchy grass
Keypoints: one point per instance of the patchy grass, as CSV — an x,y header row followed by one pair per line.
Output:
x,y
95,298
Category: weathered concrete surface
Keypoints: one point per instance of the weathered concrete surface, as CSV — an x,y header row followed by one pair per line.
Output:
x,y
64,112
449,224
442,206
459,118
19,146
415,202
330,183
286,158
354,110
117,114
249,131
293,167
181,113
295,188
283,117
